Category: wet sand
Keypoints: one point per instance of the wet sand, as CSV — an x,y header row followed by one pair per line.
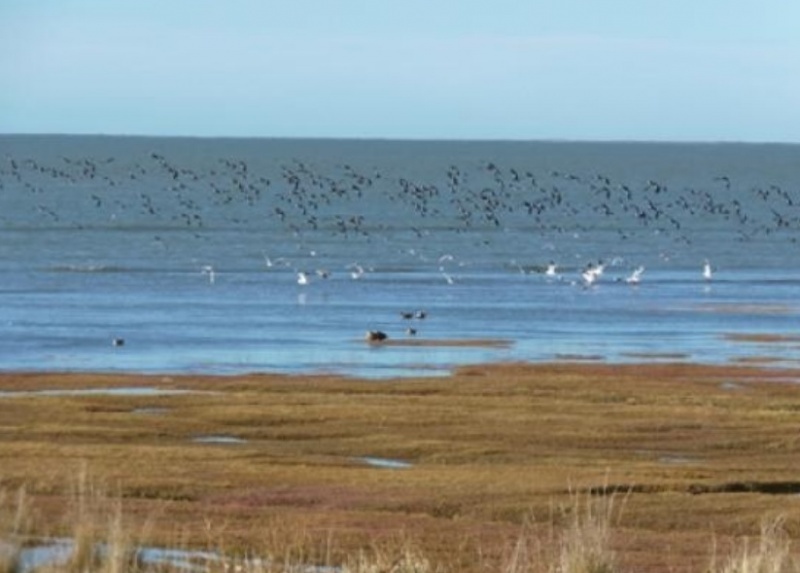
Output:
x,y
444,342
754,309
762,338
695,454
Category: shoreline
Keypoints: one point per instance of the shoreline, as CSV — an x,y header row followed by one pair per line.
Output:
x,y
663,363
770,350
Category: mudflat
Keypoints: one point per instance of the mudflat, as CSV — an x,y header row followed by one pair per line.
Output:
x,y
693,457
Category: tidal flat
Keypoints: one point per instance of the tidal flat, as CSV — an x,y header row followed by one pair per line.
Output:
x,y
696,458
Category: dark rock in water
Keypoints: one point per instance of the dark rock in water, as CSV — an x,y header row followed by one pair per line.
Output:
x,y
376,336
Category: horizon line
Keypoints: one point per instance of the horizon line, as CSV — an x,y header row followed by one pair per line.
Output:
x,y
407,139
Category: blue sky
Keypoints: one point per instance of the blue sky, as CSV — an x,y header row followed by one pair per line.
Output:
x,y
666,70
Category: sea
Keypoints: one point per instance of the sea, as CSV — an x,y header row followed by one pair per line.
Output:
x,y
225,255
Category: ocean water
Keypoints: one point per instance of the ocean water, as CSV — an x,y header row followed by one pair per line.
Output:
x,y
189,251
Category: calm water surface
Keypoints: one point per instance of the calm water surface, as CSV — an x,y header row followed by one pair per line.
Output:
x,y
189,250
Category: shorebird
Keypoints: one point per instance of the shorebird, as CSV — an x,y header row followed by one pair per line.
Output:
x,y
209,270
590,274
551,269
302,278
636,276
599,268
357,272
707,271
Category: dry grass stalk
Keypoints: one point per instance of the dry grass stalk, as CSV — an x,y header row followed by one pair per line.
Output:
x,y
526,556
377,560
585,544
771,555
13,529
102,543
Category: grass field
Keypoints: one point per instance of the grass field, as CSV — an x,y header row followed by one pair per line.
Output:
x,y
549,467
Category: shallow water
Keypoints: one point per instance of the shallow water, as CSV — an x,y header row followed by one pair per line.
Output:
x,y
55,553
188,250
218,440
124,391
386,463
151,411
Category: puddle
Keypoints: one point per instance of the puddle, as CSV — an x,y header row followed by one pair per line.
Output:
x,y
150,411
731,386
54,553
386,463
676,460
218,440
124,391
670,459
57,552
180,559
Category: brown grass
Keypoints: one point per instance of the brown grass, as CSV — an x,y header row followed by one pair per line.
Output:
x,y
702,456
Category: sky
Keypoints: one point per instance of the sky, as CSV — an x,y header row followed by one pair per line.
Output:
x,y
644,70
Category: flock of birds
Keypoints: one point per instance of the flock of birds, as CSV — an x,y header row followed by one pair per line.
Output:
x,y
592,272
295,206
344,203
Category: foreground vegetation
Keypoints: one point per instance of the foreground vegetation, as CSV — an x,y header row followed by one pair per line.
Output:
x,y
101,542
561,467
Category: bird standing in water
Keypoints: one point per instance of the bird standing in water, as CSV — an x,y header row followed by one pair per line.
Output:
x,y
707,272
